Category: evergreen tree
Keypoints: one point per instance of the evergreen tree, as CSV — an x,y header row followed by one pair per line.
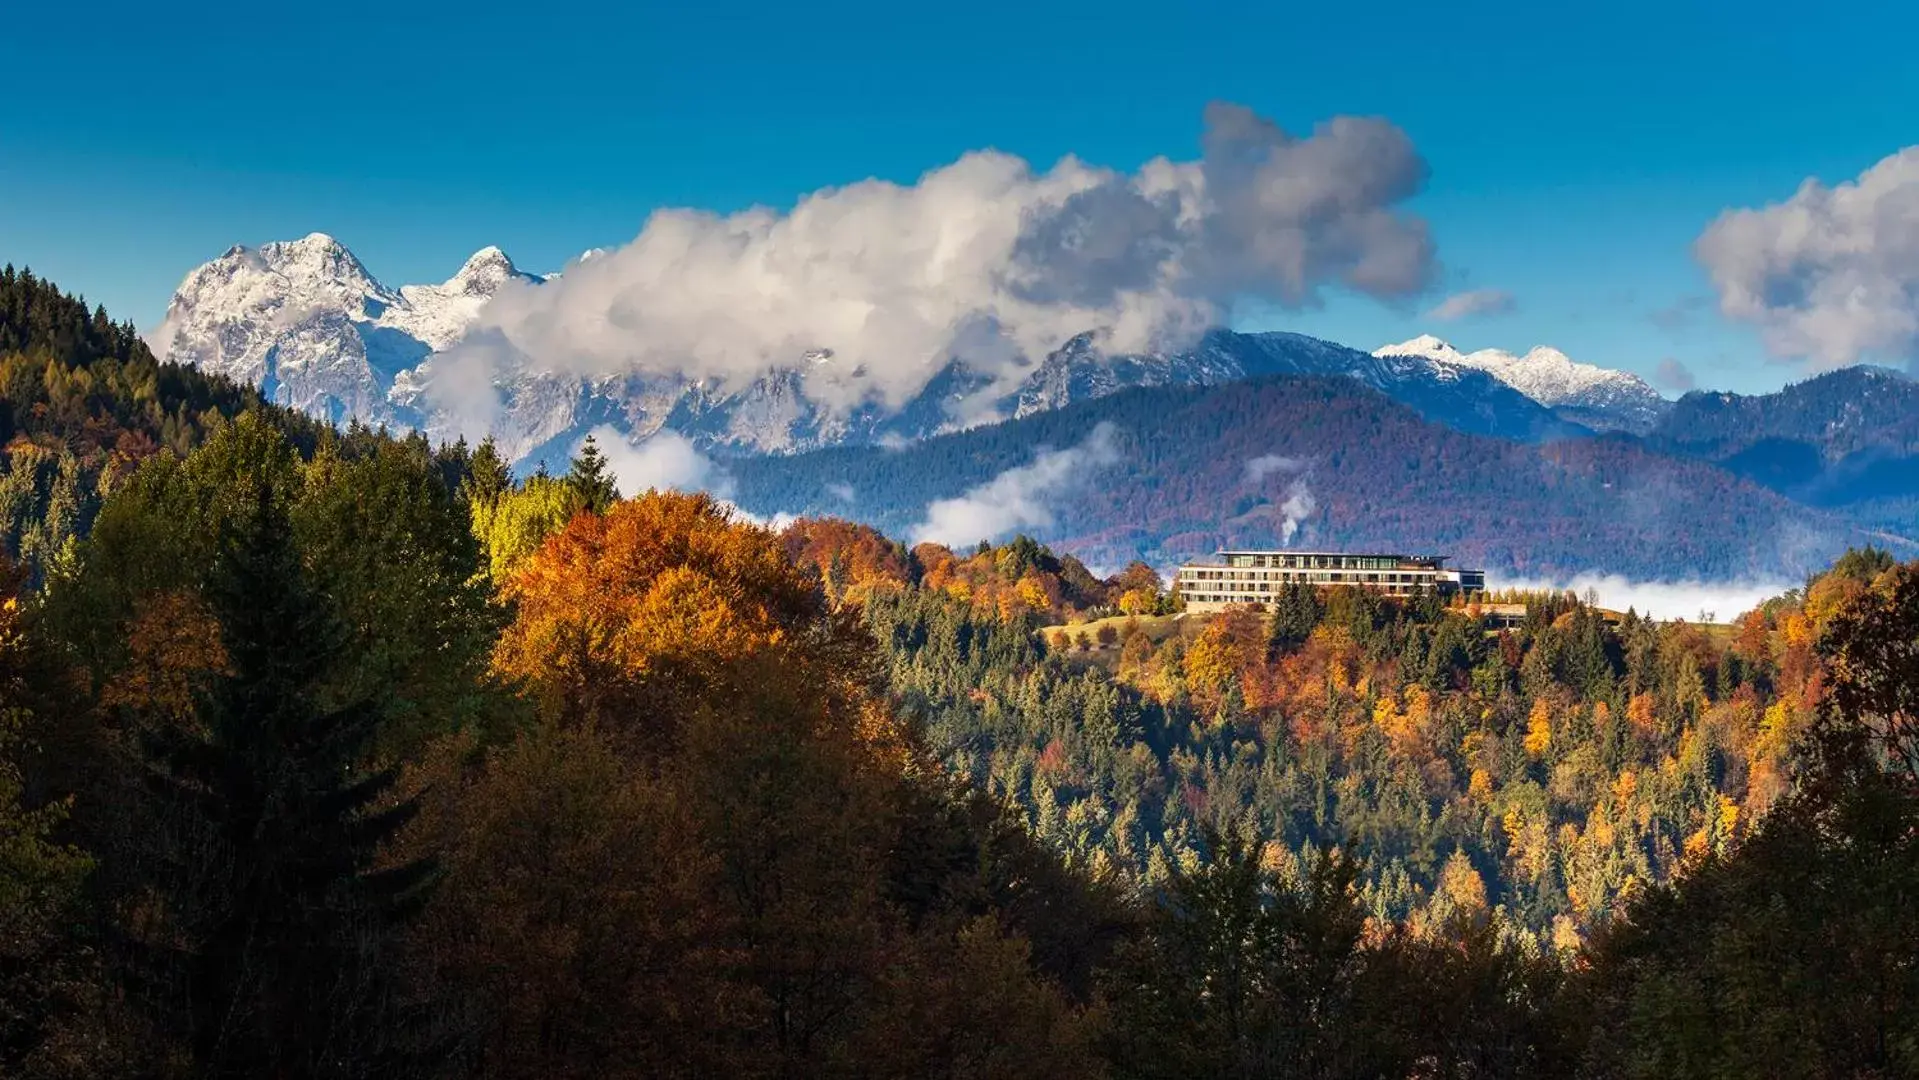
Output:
x,y
275,958
1795,954
1297,610
589,481
51,995
1241,974
487,475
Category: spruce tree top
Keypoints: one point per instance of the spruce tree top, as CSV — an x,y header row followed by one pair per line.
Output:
x,y
590,482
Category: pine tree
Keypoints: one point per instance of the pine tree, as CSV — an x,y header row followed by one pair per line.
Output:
x,y
280,921
589,480
488,476
1297,610
1241,974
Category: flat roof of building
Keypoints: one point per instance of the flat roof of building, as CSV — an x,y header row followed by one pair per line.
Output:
x,y
1347,554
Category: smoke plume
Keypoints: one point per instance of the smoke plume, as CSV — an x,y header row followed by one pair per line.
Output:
x,y
1299,504
1298,507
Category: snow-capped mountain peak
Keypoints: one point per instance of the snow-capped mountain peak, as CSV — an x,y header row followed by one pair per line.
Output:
x,y
484,273
316,258
1425,345
304,320
1588,393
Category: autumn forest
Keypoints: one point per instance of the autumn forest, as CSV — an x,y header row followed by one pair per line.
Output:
x,y
338,753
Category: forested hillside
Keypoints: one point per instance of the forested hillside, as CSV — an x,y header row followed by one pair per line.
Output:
x,y
1541,773
1837,414
1192,470
1847,440
82,402
354,757
333,767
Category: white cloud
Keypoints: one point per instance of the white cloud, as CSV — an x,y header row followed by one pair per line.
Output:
x,y
1019,498
1720,601
842,492
1830,275
667,460
778,522
989,260
1265,465
1476,302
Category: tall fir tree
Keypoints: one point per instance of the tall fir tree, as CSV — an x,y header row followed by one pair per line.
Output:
x,y
1297,610
590,481
273,957
488,476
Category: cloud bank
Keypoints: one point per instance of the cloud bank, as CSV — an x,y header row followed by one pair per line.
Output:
x,y
667,461
986,259
1830,275
1019,498
1715,601
1476,302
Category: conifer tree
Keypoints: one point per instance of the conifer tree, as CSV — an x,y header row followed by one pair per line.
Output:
x,y
48,987
273,962
1297,610
589,481
488,476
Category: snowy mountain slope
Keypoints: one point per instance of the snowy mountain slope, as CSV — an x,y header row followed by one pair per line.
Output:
x,y
1595,396
774,414
1460,397
308,323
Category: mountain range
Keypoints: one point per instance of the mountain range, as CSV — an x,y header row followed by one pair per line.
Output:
x,y
1169,473
1820,463
305,321
1600,398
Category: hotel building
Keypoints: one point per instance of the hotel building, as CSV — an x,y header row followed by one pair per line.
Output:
x,y
1252,577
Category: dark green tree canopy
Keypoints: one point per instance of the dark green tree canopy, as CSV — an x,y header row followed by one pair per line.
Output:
x,y
590,480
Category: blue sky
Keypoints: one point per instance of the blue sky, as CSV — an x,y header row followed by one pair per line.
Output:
x,y
1575,152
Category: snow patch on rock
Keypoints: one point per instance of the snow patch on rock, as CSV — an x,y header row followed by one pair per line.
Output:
x,y
1593,395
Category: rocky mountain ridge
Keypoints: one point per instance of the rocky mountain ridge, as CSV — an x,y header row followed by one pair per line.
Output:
x,y
1600,398
308,323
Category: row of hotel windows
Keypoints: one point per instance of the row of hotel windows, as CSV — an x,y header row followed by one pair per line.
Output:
x,y
1197,600
1324,562
1245,579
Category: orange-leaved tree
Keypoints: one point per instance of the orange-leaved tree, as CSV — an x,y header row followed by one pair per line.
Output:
x,y
853,561
709,855
665,601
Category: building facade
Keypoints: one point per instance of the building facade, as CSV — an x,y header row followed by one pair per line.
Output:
x,y
1252,577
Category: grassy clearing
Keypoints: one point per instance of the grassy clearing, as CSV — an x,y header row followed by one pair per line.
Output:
x,y
1066,640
